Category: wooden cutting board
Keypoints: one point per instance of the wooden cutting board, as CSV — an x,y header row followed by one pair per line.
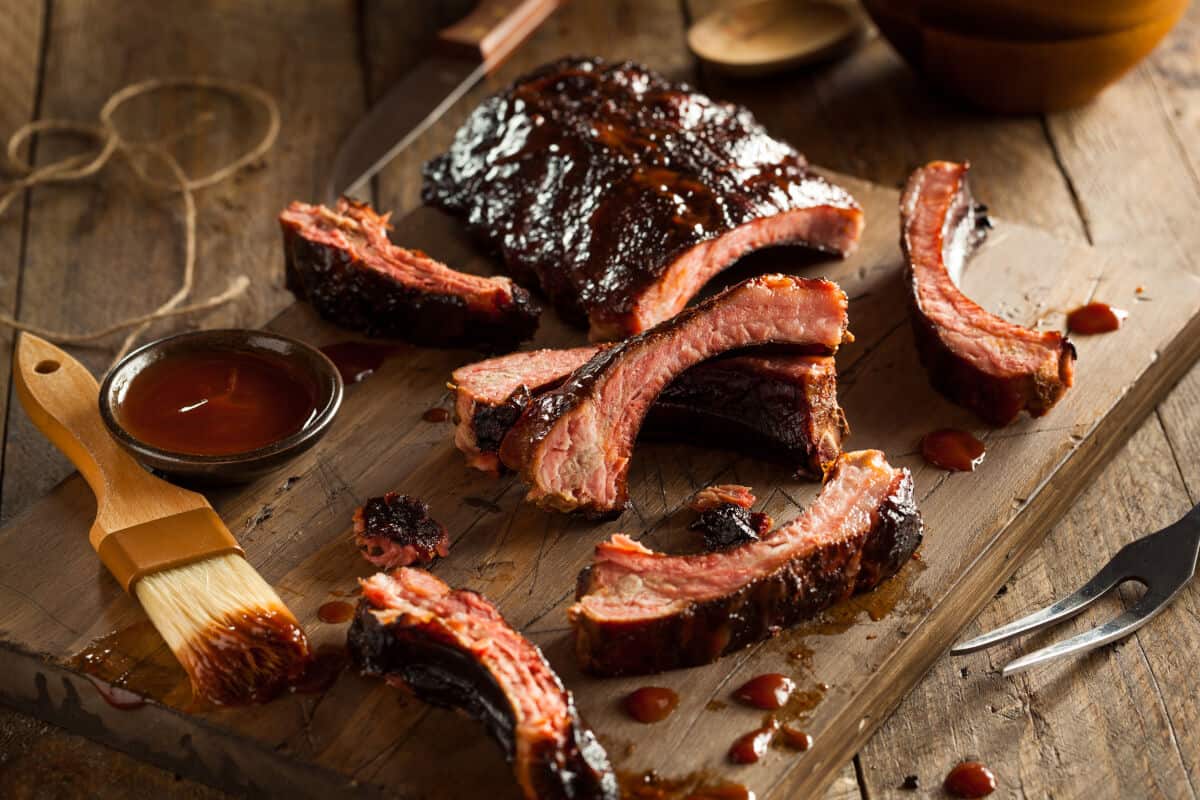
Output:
x,y
852,666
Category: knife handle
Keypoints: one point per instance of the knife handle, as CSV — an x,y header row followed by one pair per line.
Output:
x,y
496,28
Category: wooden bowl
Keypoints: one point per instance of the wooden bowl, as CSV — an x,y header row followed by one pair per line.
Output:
x,y
1015,76
1044,20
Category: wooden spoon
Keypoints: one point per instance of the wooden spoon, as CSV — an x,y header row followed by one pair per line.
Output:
x,y
773,35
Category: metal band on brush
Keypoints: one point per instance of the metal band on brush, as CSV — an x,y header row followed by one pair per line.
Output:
x,y
133,553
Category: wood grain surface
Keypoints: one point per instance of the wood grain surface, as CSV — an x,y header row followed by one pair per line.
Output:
x,y
1121,172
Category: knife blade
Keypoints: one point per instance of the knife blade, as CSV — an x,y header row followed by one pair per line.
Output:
x,y
468,51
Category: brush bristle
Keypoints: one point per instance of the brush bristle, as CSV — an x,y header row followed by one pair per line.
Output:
x,y
228,628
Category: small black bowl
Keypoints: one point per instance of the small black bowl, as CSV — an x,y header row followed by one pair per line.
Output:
x,y
236,467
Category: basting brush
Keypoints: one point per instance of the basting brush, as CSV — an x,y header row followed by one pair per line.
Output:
x,y
165,545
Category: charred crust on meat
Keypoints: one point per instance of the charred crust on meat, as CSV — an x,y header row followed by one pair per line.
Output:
x,y
622,193
333,275
396,530
729,525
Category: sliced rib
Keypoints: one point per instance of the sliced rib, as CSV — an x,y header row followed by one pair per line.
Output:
x,y
782,406
623,193
453,649
987,364
342,263
638,611
573,443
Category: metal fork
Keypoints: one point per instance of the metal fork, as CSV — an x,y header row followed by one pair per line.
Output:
x,y
1164,561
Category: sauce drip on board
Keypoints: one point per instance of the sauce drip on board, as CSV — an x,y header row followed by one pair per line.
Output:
x,y
217,402
117,696
750,747
335,612
952,449
134,660
357,361
436,415
970,779
652,786
1095,318
768,692
327,664
795,738
651,703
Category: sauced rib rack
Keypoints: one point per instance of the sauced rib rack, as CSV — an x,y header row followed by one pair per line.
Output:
x,y
782,406
622,193
987,364
573,443
342,263
453,649
638,611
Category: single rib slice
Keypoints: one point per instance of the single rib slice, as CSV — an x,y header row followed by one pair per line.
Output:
x,y
783,406
453,649
638,611
622,193
573,443
978,360
344,265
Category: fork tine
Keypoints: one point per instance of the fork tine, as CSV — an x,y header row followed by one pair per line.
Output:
x,y
1146,609
1069,606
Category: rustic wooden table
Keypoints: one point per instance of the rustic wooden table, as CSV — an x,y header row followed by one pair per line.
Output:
x,y
1123,173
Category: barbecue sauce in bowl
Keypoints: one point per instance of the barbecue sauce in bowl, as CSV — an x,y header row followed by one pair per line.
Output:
x,y
217,403
220,406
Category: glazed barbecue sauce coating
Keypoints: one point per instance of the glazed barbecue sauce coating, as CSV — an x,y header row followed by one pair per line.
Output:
x,y
594,177
217,402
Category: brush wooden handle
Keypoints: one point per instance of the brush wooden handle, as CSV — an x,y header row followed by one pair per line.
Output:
x,y
143,524
495,28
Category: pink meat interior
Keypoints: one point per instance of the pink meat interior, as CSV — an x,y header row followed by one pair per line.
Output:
x,y
936,242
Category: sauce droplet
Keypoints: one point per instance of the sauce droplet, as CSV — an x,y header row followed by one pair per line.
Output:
x,y
1095,318
952,449
356,361
217,402
323,670
750,747
768,692
651,703
436,415
795,739
117,696
970,779
335,612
